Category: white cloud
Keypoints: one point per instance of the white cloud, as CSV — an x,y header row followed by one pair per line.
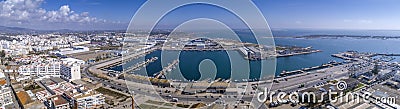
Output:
x,y
29,12
362,21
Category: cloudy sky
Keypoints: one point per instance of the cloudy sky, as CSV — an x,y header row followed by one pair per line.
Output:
x,y
64,14
116,14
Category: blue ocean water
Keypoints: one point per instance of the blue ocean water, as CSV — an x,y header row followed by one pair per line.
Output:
x,y
327,45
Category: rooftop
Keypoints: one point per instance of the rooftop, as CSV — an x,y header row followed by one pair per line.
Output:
x,y
59,100
90,93
24,97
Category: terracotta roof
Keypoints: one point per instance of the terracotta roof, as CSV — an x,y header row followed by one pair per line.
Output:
x,y
23,97
3,81
59,100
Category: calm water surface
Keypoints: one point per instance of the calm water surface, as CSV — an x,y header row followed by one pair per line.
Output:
x,y
240,70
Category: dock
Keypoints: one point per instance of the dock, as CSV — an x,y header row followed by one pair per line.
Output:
x,y
301,53
139,65
166,69
341,57
388,54
303,70
122,60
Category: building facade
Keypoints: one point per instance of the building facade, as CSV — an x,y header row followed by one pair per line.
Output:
x,y
41,70
71,72
5,97
90,100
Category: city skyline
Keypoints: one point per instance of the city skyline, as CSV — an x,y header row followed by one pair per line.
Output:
x,y
286,14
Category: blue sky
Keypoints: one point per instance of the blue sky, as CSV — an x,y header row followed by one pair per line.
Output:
x,y
111,14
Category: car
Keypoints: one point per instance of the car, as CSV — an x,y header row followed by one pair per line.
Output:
x,y
174,100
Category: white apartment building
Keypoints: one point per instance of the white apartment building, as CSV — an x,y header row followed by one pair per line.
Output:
x,y
41,70
71,71
5,97
70,68
89,100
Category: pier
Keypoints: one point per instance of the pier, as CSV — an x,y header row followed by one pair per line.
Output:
x,y
120,61
331,64
301,53
388,54
341,56
138,65
167,69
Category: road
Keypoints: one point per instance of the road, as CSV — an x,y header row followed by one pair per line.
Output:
x,y
18,104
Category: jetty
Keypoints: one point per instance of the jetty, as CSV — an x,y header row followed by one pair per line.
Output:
x,y
166,69
120,61
300,53
139,65
303,70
